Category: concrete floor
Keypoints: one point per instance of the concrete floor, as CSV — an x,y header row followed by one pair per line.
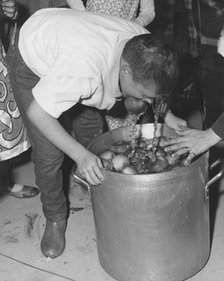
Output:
x,y
22,225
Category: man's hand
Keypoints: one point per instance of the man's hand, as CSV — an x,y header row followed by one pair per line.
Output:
x,y
89,167
88,163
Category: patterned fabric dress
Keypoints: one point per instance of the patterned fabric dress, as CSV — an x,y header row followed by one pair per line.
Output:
x,y
13,137
122,8
125,9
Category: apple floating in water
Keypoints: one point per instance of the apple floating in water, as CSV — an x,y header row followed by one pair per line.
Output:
x,y
119,161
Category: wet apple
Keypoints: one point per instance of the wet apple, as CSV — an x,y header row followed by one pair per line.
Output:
x,y
135,106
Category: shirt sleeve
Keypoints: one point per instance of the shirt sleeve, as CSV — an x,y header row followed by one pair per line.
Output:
x,y
218,126
76,5
64,85
146,13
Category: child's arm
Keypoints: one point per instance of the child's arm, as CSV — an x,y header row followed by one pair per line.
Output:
x,y
76,5
146,13
88,163
174,122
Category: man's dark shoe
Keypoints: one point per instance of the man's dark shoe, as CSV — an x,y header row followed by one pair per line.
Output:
x,y
53,240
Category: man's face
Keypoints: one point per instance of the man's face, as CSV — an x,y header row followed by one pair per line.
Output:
x,y
135,94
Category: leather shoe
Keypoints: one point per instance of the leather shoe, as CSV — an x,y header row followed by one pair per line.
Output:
x,y
26,191
53,240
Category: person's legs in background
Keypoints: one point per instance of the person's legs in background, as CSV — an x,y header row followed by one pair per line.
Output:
x,y
187,99
8,187
87,123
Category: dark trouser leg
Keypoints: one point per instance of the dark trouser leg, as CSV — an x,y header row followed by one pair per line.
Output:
x,y
46,157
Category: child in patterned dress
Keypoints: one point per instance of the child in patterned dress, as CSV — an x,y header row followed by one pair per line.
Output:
x,y
13,137
139,11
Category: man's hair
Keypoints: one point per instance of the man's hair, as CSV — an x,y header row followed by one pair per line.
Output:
x,y
151,62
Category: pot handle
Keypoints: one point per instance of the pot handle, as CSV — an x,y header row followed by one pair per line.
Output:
x,y
215,178
78,178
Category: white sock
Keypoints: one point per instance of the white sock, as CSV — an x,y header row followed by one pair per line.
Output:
x,y
17,187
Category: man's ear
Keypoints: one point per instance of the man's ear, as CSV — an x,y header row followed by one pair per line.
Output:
x,y
125,70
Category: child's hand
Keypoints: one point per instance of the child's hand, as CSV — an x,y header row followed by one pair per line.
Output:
x,y
174,122
89,167
9,8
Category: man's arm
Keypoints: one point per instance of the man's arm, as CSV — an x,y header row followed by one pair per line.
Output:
x,y
88,163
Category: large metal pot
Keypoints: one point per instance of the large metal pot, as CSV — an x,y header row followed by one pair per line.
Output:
x,y
151,227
